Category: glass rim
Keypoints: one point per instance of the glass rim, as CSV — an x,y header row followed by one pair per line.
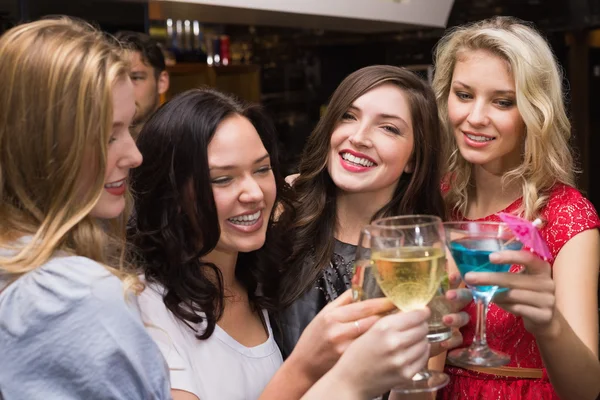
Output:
x,y
380,222
449,224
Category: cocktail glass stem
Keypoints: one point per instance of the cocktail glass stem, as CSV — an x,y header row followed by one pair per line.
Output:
x,y
482,301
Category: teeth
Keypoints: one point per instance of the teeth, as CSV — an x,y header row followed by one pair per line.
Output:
x,y
246,219
115,184
479,138
357,160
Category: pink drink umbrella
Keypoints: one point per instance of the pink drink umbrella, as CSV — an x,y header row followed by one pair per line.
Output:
x,y
527,233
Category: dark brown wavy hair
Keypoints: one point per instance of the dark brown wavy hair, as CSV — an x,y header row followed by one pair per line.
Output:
x,y
170,236
416,193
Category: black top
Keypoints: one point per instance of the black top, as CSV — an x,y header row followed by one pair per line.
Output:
x,y
335,279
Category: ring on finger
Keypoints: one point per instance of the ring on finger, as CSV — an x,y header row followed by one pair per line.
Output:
x,y
357,325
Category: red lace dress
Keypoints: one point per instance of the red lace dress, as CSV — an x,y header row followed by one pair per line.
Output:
x,y
566,214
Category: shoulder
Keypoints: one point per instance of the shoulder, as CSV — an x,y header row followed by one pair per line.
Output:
x,y
72,315
566,205
59,285
174,337
567,213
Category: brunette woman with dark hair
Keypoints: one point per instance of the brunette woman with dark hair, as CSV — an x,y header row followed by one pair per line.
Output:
x,y
206,200
375,153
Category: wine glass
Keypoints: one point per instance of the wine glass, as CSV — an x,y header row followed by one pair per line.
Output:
x,y
439,305
471,244
406,264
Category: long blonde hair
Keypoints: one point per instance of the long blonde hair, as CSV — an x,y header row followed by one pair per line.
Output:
x,y
56,81
547,157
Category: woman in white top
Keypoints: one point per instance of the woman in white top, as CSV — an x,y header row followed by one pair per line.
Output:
x,y
207,197
69,328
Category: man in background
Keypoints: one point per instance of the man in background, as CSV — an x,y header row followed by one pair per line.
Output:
x,y
148,74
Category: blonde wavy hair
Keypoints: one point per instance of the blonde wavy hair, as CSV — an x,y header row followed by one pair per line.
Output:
x,y
57,77
547,157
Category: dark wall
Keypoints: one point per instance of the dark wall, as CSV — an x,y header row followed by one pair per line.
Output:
x,y
110,16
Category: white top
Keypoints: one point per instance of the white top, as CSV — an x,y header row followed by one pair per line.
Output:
x,y
218,368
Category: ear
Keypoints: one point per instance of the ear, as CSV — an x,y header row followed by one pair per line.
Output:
x,y
163,82
409,167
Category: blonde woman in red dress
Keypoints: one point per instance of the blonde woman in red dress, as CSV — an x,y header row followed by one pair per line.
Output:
x,y
499,91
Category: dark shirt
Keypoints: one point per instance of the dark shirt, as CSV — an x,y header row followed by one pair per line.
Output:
x,y
335,279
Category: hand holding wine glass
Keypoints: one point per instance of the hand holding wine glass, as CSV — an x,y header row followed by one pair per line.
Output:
x,y
390,353
331,332
531,295
471,244
406,263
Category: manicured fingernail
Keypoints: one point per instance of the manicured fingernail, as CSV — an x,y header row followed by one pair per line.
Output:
x,y
468,276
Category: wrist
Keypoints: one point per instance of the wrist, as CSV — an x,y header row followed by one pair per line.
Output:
x,y
552,330
338,382
301,369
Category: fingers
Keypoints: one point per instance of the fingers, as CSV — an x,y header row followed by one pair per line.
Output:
x,y
526,297
361,309
353,329
404,322
413,359
532,314
459,298
454,280
456,320
533,264
511,281
344,298
455,341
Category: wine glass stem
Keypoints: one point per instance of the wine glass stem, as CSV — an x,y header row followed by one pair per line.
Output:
x,y
481,301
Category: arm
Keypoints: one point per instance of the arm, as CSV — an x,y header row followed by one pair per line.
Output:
x,y
561,313
322,343
570,350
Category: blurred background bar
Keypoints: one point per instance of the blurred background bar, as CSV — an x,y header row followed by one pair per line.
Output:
x,y
289,55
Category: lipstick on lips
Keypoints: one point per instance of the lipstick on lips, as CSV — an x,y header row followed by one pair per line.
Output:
x,y
476,139
116,188
354,161
248,222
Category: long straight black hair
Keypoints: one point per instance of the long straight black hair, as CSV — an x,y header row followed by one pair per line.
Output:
x,y
176,221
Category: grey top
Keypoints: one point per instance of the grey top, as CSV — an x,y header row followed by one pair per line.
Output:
x,y
68,331
335,279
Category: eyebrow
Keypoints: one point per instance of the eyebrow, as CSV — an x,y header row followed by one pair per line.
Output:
x,y
511,92
382,115
227,167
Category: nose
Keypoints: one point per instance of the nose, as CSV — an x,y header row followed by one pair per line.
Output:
x,y
131,156
478,114
360,138
251,191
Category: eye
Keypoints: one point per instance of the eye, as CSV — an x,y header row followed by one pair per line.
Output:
x,y
348,117
221,180
503,103
111,139
391,129
264,170
463,95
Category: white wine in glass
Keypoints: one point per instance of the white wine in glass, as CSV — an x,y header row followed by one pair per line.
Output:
x,y
406,264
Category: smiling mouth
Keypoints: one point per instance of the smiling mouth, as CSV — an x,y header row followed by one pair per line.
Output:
x,y
479,138
115,185
246,220
358,161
